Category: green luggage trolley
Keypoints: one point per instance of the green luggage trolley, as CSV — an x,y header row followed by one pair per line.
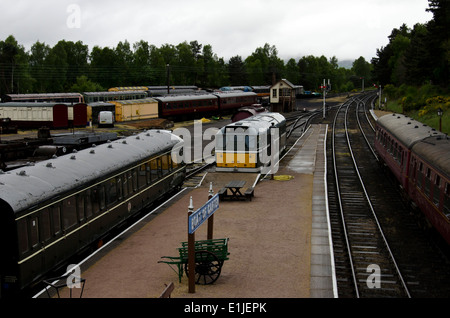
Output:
x,y
209,258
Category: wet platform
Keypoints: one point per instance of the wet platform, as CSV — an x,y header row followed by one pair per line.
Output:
x,y
279,242
311,159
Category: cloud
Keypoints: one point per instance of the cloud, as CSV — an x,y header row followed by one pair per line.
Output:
x,y
346,29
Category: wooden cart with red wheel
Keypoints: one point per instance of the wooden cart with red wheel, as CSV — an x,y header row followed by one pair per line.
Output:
x,y
209,258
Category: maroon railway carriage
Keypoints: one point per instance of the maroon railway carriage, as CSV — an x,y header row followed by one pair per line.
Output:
x,y
202,105
230,101
79,115
419,157
36,115
179,106
26,115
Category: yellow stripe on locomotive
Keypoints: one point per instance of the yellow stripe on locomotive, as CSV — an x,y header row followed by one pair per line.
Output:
x,y
236,160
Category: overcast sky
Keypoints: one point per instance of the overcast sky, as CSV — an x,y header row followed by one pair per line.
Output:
x,y
346,29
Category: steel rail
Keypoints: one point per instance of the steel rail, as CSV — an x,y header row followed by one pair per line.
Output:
x,y
341,208
371,206
362,130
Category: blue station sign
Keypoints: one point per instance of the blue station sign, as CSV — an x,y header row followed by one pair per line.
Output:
x,y
201,215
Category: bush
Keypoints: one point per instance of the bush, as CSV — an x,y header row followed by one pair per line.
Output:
x,y
408,103
391,91
433,103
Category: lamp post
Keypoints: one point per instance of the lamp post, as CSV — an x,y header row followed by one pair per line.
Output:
x,y
440,113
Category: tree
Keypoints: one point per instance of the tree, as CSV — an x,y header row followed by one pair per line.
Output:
x,y
124,63
310,72
439,40
14,67
77,59
362,69
184,68
292,73
103,68
83,84
418,61
419,55
397,61
211,69
381,69
236,71
158,66
38,55
57,68
140,66
265,61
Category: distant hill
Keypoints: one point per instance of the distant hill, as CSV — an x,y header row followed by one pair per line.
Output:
x,y
346,63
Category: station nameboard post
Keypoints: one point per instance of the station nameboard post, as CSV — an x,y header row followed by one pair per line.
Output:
x,y
211,217
191,250
195,219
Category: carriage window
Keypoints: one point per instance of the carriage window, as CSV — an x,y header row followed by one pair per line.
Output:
x,y
419,175
101,196
134,179
88,203
119,188
446,208
437,190
165,165
155,165
111,191
413,169
174,162
56,216
80,206
438,180
148,172
69,212
95,199
22,233
229,142
142,175
427,182
44,222
33,225
126,183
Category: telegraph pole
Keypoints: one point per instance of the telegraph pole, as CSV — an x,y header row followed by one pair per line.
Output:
x,y
168,77
324,92
379,100
325,89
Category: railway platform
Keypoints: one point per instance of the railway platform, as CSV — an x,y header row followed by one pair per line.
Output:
x,y
278,242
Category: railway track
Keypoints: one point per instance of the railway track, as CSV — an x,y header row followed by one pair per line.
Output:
x,y
382,234
195,173
370,264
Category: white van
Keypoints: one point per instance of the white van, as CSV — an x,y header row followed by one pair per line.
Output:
x,y
105,119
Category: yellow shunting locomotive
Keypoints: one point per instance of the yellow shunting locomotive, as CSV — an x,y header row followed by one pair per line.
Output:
x,y
251,144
